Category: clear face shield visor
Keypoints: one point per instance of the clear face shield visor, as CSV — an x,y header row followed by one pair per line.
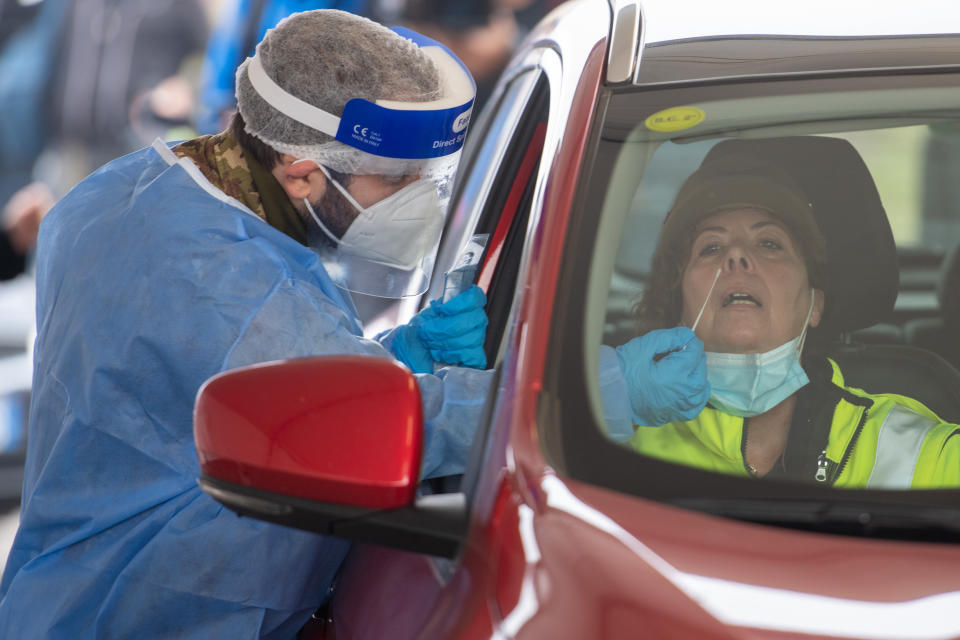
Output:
x,y
390,247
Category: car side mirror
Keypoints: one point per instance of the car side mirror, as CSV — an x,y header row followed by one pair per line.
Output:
x,y
330,444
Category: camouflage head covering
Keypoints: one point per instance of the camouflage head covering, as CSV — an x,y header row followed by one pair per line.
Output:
x,y
223,162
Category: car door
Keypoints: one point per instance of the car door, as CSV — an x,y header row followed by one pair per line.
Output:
x,y
388,593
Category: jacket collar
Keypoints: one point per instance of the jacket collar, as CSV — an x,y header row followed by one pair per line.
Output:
x,y
827,418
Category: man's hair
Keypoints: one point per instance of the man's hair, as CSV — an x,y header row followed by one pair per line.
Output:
x,y
267,156
338,211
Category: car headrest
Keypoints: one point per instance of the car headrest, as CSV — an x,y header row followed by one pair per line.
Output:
x,y
862,271
948,288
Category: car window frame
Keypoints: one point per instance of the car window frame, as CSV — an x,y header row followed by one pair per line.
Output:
x,y
506,129
567,418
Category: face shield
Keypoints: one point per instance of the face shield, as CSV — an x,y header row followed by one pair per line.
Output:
x,y
389,248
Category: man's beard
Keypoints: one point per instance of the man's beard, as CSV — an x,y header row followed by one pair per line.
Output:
x,y
334,210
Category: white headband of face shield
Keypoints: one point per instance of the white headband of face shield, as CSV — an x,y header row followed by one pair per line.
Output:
x,y
397,231
342,157
456,88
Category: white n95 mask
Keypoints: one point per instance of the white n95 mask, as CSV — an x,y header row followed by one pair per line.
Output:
x,y
396,231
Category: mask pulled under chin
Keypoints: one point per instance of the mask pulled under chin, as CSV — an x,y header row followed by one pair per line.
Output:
x,y
397,231
748,384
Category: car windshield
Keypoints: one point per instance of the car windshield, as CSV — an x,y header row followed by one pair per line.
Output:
x,y
876,161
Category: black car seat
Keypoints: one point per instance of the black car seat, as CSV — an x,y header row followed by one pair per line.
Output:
x,y
863,274
942,334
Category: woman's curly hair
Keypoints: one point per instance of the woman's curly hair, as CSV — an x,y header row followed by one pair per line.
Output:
x,y
661,303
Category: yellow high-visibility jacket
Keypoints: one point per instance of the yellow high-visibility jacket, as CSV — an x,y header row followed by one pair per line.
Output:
x,y
877,441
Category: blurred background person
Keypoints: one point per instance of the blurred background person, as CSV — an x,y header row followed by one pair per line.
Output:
x,y
20,222
14,14
482,33
81,82
70,73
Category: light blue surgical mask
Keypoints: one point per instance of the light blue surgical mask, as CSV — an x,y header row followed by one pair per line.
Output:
x,y
748,384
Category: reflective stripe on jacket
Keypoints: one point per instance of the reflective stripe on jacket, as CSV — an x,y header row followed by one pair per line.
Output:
x,y
875,441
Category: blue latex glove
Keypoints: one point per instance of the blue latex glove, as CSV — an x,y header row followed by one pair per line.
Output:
x,y
449,332
665,389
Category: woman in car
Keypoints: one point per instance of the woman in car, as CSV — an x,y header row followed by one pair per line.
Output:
x,y
719,378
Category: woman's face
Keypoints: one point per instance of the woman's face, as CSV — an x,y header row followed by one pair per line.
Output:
x,y
762,295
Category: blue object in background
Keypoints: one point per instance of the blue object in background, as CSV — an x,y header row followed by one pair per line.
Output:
x,y
234,39
13,421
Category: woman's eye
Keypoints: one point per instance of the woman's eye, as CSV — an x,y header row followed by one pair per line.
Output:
x,y
771,244
708,249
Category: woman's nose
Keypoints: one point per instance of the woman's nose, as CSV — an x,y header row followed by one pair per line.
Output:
x,y
737,258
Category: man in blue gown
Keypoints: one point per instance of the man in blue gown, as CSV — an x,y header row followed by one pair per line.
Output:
x,y
170,265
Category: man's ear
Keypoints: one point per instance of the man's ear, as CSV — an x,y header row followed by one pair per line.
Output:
x,y
818,303
300,179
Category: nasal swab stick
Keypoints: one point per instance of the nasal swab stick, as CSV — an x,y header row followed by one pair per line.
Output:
x,y
699,315
660,356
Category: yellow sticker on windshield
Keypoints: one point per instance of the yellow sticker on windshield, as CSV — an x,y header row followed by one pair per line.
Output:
x,y
675,119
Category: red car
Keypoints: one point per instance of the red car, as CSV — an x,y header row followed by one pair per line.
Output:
x,y
556,530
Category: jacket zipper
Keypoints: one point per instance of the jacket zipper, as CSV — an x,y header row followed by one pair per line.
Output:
x,y
823,463
749,468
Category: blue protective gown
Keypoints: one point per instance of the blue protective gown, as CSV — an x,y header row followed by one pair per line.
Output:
x,y
618,416
149,281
